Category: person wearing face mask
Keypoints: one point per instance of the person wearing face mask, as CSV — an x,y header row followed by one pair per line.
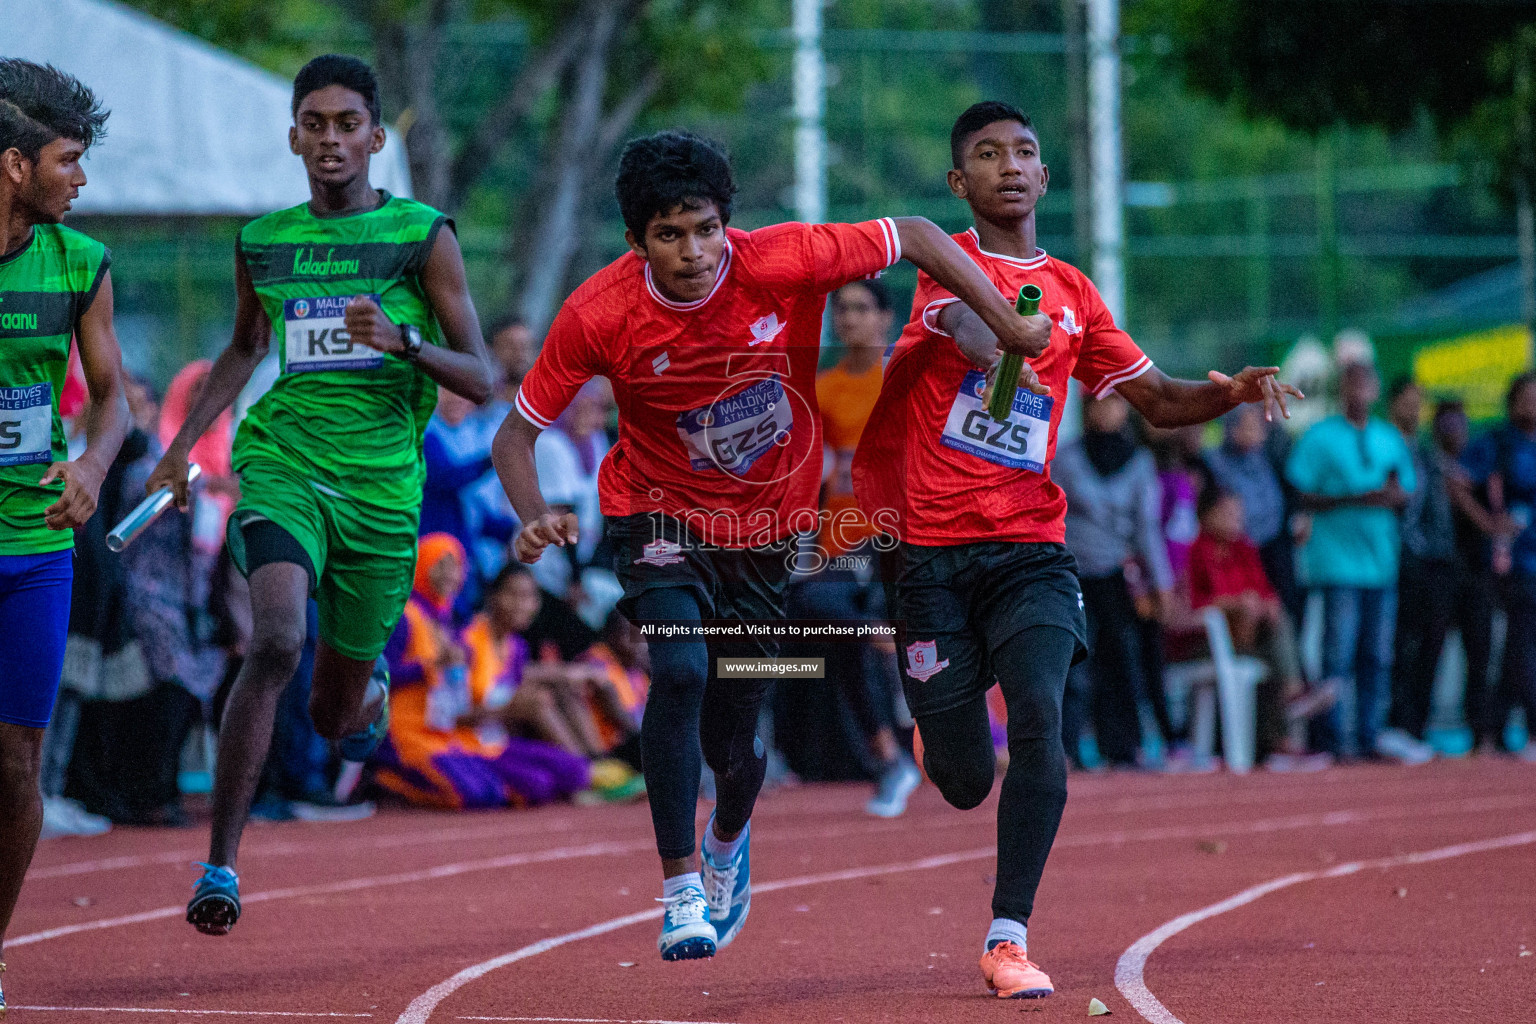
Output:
x,y
1114,530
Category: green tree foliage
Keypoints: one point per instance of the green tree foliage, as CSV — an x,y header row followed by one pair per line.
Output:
x,y
1316,63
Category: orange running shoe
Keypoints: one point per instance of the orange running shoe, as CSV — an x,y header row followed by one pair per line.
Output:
x,y
1010,975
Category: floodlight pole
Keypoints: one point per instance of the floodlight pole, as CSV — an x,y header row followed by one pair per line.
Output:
x,y
810,109
1104,133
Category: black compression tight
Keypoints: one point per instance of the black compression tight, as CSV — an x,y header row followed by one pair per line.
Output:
x,y
688,712
958,756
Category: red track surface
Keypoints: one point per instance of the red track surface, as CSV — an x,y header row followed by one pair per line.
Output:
x,y
854,920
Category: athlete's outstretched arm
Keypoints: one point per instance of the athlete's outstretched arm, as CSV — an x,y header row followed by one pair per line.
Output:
x,y
231,371
106,422
925,244
1168,402
512,454
463,367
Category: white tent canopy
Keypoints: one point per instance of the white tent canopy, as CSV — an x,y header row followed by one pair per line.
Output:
x,y
194,130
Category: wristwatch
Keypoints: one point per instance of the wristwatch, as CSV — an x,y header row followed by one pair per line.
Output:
x,y
410,336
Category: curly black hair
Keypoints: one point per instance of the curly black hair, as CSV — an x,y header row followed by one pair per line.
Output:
x,y
976,117
338,69
40,103
659,173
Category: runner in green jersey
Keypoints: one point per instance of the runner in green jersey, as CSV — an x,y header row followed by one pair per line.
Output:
x,y
54,287
364,295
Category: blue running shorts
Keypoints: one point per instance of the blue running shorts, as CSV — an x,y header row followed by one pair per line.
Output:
x,y
34,616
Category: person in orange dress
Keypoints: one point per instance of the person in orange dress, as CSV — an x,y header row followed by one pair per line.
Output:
x,y
449,744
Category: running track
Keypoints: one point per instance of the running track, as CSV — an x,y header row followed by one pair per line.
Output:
x,y
1363,894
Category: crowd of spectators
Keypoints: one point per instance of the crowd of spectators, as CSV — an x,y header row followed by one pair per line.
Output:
x,y
1400,533
516,686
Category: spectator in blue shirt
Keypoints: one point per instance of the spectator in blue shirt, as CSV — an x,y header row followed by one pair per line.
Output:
x,y
1502,468
1354,473
457,451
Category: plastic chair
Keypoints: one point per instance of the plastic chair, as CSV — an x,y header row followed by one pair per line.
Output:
x,y
1226,682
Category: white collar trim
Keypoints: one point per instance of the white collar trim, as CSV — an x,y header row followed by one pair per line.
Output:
x,y
1037,261
684,307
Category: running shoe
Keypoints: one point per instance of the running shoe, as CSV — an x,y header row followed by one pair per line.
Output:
x,y
686,933
215,905
897,783
360,745
1010,975
1403,748
2,993
728,886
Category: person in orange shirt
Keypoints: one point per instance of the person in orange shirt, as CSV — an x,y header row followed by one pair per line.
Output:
x,y
836,588
617,689
846,393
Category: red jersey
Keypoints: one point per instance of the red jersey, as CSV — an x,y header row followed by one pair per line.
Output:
x,y
1219,569
718,421
932,466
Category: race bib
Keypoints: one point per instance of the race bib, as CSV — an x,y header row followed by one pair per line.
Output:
x,y
1019,443
735,432
26,425
316,337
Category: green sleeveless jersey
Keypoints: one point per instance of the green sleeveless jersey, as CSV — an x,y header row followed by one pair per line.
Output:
x,y
348,418
44,290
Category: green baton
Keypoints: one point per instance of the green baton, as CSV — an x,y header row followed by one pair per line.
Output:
x,y
1006,384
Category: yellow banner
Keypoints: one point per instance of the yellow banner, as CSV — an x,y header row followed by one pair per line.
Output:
x,y
1478,367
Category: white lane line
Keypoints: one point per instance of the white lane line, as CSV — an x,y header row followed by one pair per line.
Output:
x,y
511,860
1130,971
1076,814
597,1020
1337,818
186,857
422,1006
208,1013
1328,819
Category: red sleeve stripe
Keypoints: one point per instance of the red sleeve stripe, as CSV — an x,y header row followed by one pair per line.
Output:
x,y
1116,379
931,315
526,409
892,241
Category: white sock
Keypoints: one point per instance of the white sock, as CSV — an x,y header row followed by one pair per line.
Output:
x,y
677,883
719,850
1006,929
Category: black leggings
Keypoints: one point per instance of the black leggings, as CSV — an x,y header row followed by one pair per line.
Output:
x,y
958,756
686,709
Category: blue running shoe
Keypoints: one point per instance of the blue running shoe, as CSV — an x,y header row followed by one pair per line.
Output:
x,y
686,933
215,905
2,993
729,887
360,745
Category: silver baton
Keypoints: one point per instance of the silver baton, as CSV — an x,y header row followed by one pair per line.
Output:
x,y
148,510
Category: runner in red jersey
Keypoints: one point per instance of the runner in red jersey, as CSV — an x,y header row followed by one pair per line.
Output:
x,y
977,578
711,338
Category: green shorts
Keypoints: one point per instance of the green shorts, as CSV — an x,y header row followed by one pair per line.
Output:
x,y
364,557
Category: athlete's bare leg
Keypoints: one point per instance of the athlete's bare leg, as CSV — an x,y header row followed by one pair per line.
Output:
x,y
279,598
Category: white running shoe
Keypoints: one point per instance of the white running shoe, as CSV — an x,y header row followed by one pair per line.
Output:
x,y
686,933
897,783
1399,746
